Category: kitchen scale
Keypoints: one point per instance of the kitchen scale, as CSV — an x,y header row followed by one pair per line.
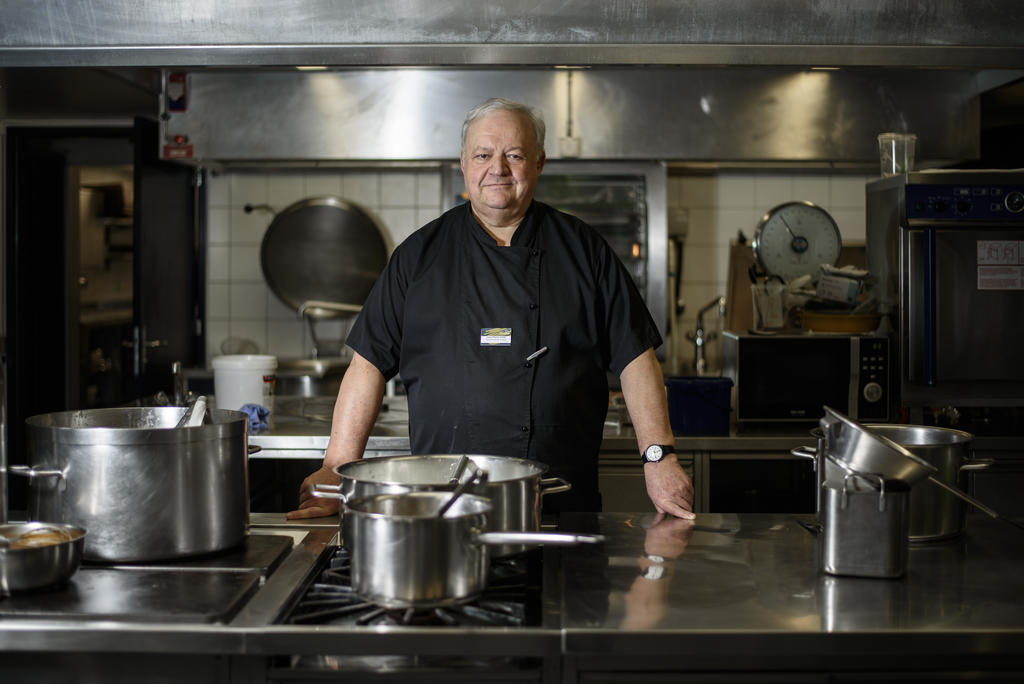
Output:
x,y
794,239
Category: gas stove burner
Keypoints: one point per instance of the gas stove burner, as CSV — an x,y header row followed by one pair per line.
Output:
x,y
511,599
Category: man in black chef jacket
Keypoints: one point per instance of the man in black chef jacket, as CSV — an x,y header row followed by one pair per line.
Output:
x,y
501,318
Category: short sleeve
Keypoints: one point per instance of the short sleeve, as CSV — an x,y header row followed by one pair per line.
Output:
x,y
376,334
630,328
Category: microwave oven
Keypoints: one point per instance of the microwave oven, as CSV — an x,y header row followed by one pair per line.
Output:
x,y
790,377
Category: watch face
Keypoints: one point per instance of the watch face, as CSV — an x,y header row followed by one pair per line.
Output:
x,y
795,238
654,453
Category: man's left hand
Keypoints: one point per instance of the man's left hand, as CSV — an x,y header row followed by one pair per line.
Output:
x,y
670,488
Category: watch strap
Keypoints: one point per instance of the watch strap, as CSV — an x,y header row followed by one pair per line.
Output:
x,y
666,449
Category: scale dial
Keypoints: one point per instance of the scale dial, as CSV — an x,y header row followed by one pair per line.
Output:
x,y
795,238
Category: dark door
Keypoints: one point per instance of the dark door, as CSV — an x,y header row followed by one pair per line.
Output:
x,y
167,289
44,358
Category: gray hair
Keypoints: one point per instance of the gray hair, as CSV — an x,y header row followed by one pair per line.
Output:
x,y
500,104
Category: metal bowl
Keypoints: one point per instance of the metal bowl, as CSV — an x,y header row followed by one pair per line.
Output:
x,y
869,452
35,567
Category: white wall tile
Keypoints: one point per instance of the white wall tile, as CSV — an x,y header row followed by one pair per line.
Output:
x,y
218,304
701,226
428,190
285,189
699,192
327,183
216,333
400,223
816,189
847,192
251,330
363,189
248,300
218,190
248,189
285,339
735,190
218,262
397,189
218,225
851,223
729,223
702,265
771,191
245,263
248,228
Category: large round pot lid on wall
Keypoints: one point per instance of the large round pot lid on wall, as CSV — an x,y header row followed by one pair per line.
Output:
x,y
322,255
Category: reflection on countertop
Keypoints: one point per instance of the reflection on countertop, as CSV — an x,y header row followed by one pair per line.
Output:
x,y
761,572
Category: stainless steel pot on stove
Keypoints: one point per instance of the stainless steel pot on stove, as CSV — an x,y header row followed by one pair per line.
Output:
x,y
515,486
405,556
144,489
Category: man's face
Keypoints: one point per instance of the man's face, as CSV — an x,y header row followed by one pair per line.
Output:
x,y
501,165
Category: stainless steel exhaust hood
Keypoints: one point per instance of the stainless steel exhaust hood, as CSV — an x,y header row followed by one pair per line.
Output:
x,y
677,114
194,33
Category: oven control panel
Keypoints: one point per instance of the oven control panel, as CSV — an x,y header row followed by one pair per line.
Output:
x,y
973,201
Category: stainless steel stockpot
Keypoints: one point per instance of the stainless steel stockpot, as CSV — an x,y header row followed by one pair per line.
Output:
x,y
515,486
934,512
405,556
143,488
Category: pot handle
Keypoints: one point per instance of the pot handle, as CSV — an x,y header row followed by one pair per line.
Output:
x,y
978,464
28,471
806,452
555,538
558,485
328,491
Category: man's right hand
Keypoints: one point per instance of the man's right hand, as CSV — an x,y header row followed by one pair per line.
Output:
x,y
311,506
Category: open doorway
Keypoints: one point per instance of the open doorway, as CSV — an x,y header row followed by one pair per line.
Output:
x,y
102,213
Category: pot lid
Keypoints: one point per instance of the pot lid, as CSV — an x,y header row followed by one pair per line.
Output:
x,y
323,249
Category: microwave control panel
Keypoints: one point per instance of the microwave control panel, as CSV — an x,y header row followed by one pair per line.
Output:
x,y
872,377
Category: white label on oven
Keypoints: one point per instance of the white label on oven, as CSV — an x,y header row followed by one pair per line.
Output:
x,y
1000,265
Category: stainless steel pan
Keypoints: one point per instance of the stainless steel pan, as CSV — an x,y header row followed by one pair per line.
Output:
x,y
515,486
35,555
404,556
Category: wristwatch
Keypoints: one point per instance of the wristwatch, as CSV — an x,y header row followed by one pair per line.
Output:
x,y
656,452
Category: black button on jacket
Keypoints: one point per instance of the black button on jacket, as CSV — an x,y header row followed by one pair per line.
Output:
x,y
456,317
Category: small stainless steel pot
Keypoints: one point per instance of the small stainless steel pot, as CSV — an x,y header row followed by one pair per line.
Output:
x,y
515,486
35,567
405,556
145,489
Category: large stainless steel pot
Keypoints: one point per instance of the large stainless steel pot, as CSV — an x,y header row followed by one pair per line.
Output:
x,y
515,486
934,512
405,556
144,489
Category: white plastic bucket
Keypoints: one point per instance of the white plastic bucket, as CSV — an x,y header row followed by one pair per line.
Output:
x,y
240,379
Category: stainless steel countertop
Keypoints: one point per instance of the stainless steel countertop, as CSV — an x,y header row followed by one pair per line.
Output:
x,y
730,580
754,579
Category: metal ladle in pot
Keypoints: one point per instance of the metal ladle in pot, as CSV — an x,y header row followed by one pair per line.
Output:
x,y
479,478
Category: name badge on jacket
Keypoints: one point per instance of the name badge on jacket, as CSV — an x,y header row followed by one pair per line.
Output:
x,y
495,337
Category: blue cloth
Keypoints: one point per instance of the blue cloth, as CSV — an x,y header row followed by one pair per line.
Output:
x,y
257,415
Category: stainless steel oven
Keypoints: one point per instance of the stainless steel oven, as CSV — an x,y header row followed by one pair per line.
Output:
x,y
947,248
788,378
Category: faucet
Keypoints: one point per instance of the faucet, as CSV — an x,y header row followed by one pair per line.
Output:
x,y
701,337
